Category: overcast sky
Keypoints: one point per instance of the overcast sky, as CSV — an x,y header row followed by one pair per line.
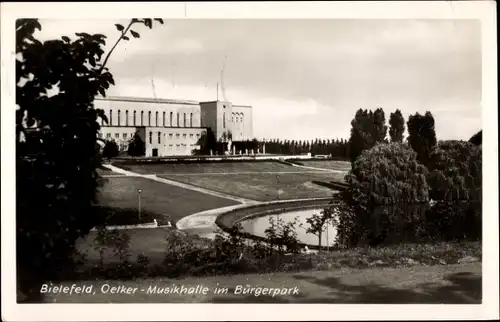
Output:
x,y
304,78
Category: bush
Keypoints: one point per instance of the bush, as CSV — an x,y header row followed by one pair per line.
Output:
x,y
387,174
136,146
455,171
387,201
282,235
110,150
383,183
455,221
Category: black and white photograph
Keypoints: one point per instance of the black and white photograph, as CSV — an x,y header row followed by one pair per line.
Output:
x,y
211,156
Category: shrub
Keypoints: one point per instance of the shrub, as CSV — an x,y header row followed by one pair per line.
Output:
x,y
455,221
387,174
455,171
110,150
282,235
375,209
136,146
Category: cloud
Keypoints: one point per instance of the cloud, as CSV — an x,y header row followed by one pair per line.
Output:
x,y
308,75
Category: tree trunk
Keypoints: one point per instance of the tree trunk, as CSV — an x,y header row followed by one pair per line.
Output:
x,y
319,241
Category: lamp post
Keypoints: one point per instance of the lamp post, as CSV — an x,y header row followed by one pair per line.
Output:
x,y
278,186
327,239
277,194
139,197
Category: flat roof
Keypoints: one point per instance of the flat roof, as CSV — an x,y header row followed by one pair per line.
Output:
x,y
235,105
146,100
158,100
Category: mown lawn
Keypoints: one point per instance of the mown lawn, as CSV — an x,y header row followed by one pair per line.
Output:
x,y
162,200
263,186
210,167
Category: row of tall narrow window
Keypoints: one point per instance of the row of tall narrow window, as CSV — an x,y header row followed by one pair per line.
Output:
x,y
170,136
141,123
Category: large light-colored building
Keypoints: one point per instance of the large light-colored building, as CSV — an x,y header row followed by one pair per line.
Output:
x,y
172,127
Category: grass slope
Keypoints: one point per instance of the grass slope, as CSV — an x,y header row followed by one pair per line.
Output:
x,y
209,167
263,186
161,200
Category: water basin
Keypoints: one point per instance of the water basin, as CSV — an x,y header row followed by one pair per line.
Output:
x,y
257,226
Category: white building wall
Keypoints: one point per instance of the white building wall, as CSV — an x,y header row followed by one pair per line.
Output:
x,y
242,123
180,124
172,141
173,112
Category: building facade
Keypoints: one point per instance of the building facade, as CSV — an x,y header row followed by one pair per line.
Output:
x,y
172,127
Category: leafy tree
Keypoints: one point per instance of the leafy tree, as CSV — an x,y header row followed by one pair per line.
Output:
x,y
387,174
56,144
455,171
317,223
379,129
361,133
384,183
422,135
207,142
397,127
136,146
110,150
456,187
477,138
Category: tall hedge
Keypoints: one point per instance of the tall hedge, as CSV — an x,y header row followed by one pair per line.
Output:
x,y
387,198
455,171
388,174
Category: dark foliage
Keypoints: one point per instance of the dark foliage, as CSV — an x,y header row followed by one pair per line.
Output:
x,y
397,127
368,129
110,150
422,135
455,171
384,176
379,129
477,138
207,143
387,174
387,201
336,148
136,146
57,150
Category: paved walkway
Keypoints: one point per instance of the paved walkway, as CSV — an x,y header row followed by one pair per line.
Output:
x,y
178,184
